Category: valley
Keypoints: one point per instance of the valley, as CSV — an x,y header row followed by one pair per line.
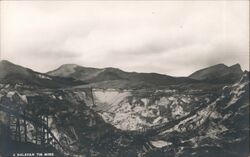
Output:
x,y
111,113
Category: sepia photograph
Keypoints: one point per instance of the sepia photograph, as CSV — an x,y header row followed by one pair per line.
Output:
x,y
124,78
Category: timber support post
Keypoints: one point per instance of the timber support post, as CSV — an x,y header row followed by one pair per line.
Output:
x,y
25,128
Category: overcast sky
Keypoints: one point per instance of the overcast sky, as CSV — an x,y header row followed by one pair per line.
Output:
x,y
174,38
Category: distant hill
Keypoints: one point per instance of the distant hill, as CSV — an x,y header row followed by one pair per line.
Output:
x,y
219,73
75,71
13,74
116,78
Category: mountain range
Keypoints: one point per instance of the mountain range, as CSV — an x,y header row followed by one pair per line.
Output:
x,y
75,75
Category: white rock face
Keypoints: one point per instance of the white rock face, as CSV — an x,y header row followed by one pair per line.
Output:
x,y
160,143
10,94
21,97
24,98
106,99
43,77
127,111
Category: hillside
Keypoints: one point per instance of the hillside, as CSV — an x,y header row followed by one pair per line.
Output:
x,y
219,73
14,74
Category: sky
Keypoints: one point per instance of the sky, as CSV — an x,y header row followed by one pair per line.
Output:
x,y
168,37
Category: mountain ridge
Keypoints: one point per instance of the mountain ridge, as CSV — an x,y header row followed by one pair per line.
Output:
x,y
75,75
117,77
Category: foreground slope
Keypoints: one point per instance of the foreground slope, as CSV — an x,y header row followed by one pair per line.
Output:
x,y
219,129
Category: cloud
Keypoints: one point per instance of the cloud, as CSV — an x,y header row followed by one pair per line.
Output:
x,y
174,38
